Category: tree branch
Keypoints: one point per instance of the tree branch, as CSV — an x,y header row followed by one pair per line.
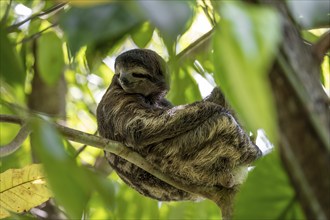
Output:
x,y
321,47
200,45
303,118
48,11
17,142
36,35
213,193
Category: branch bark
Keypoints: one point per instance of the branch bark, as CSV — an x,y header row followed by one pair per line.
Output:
x,y
303,113
321,47
53,9
15,144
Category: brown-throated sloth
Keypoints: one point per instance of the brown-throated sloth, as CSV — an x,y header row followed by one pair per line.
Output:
x,y
195,144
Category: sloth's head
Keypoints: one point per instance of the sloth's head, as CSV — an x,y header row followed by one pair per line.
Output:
x,y
142,71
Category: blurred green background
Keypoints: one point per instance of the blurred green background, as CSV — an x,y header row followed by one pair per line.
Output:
x,y
57,59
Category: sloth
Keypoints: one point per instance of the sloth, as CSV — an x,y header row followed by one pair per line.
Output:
x,y
199,144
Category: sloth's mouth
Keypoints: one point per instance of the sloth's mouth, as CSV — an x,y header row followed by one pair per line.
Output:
x,y
126,84
127,87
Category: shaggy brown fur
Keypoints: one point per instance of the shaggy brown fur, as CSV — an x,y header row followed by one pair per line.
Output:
x,y
196,144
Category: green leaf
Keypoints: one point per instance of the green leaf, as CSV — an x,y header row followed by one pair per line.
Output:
x,y
97,210
11,68
96,53
184,88
69,182
310,37
267,193
50,57
310,14
189,210
89,25
245,43
131,204
170,17
105,189
143,35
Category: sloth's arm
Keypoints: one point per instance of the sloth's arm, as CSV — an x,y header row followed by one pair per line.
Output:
x,y
147,127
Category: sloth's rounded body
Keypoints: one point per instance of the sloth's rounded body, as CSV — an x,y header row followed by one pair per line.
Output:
x,y
195,144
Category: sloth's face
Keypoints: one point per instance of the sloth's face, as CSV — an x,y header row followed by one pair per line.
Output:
x,y
139,80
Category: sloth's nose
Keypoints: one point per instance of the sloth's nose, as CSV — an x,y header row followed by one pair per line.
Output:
x,y
124,80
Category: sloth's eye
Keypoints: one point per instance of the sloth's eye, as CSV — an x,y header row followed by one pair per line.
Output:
x,y
139,75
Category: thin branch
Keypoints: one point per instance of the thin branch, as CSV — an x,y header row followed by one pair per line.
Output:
x,y
206,10
200,45
11,119
48,11
321,47
117,148
36,35
17,142
82,148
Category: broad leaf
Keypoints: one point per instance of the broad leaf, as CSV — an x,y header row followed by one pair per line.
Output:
x,y
22,189
89,25
189,210
50,58
170,17
11,68
184,88
244,47
311,14
132,204
70,184
267,193
142,36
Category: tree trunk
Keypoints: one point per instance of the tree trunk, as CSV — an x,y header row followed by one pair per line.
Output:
x,y
304,120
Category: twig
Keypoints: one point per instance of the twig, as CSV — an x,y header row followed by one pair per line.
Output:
x,y
201,44
36,35
321,47
206,10
5,16
17,142
82,148
48,11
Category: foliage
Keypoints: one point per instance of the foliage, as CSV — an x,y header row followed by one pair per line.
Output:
x,y
22,189
80,42
275,186
246,62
